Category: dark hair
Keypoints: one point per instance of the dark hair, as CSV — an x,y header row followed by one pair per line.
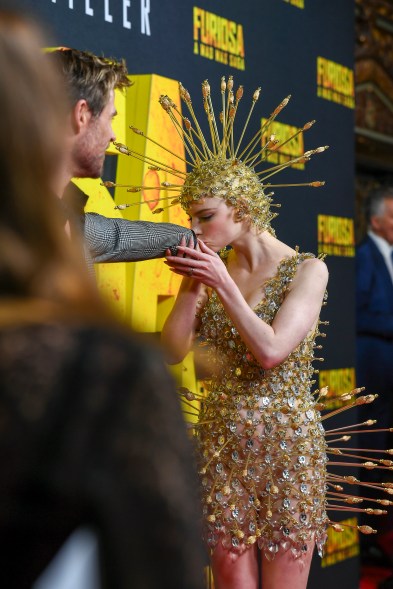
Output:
x,y
89,77
375,200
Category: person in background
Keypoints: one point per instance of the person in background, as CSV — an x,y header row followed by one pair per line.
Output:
x,y
91,431
374,343
90,82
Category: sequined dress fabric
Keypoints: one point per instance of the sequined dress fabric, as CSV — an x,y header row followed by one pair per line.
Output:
x,y
261,445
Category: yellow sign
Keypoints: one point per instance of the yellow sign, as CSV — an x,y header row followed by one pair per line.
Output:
x,y
286,149
336,236
142,293
341,545
297,3
339,381
218,39
335,82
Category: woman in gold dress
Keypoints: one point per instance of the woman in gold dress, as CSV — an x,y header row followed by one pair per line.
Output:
x,y
260,441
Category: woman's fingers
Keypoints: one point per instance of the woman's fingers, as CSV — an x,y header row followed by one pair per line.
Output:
x,y
205,248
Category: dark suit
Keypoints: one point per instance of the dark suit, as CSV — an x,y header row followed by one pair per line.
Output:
x,y
374,362
374,322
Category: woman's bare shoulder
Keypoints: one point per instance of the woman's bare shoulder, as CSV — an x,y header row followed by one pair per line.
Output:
x,y
313,268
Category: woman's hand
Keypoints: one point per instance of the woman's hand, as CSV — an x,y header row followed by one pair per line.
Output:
x,y
199,263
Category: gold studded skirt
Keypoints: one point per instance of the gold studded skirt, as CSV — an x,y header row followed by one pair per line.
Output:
x,y
262,461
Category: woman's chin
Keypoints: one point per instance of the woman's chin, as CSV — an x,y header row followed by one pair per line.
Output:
x,y
213,247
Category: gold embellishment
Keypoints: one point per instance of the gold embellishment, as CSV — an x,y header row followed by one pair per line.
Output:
x,y
221,167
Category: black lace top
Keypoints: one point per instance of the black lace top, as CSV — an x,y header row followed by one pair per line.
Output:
x,y
91,433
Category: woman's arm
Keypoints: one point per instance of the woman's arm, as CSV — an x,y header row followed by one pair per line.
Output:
x,y
270,344
179,329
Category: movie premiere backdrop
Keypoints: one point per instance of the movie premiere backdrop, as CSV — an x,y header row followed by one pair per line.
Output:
x,y
302,48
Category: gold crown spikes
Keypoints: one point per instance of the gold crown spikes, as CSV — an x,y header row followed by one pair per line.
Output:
x,y
223,147
272,142
258,135
217,168
149,160
184,132
305,157
123,206
142,134
185,96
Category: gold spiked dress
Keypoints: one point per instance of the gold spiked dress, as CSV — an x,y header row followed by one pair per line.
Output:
x,y
261,445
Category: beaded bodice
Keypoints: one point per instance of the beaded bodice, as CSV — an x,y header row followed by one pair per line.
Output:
x,y
232,361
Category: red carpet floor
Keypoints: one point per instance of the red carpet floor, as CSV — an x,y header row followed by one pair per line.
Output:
x,y
371,576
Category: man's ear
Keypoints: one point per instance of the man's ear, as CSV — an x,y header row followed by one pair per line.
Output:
x,y
375,223
80,116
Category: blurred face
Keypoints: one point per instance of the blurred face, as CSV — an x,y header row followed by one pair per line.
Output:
x,y
213,222
382,224
89,154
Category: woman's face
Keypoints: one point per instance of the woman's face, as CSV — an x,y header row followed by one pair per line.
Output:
x,y
214,222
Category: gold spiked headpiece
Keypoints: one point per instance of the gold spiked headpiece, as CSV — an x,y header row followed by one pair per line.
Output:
x,y
220,168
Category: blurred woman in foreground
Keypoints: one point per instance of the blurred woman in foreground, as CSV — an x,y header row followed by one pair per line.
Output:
x,y
91,433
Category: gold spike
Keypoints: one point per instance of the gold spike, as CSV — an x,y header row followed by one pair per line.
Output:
x,y
363,449
188,403
167,104
185,392
305,127
366,530
315,184
338,451
282,104
339,527
369,422
359,401
342,439
141,202
265,126
275,169
308,125
207,97
352,499
368,510
255,98
142,134
227,132
190,413
267,147
146,159
139,188
160,210
185,96
223,113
